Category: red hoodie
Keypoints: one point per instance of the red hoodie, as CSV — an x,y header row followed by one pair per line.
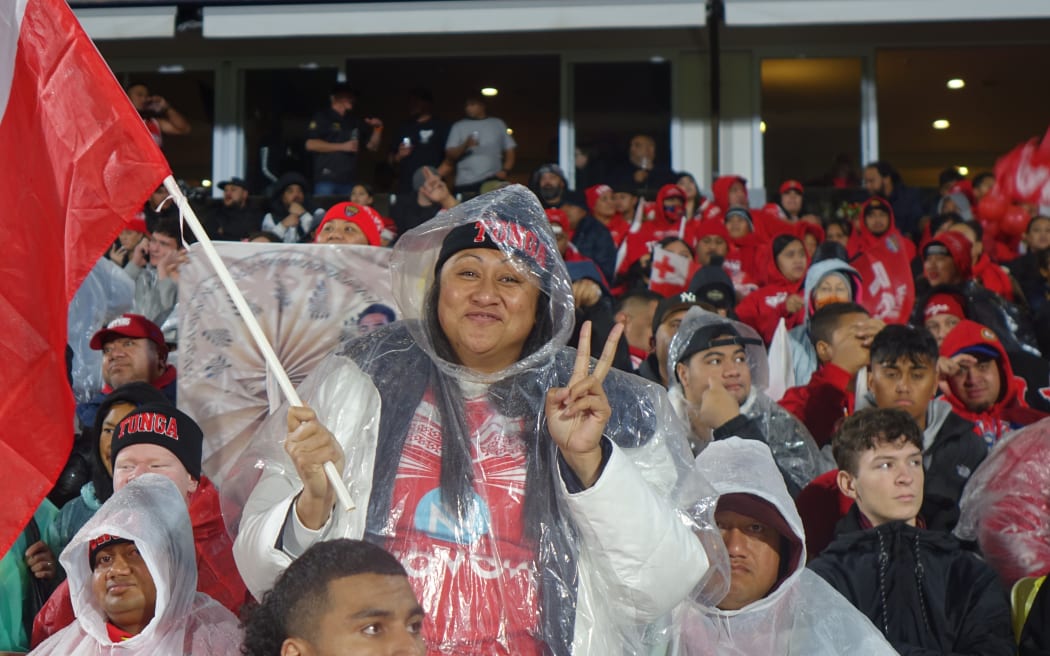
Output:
x,y
217,574
862,240
640,243
767,221
992,277
1011,410
763,308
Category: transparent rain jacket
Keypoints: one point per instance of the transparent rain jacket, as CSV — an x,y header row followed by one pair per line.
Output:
x,y
454,472
151,512
804,616
795,451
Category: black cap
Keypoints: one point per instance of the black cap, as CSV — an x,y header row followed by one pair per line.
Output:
x,y
712,285
681,301
707,337
235,181
876,204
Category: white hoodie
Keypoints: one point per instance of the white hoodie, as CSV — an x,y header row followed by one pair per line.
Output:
x,y
804,615
150,512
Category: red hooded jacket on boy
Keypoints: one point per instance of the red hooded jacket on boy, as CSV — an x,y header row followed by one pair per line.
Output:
x,y
640,243
763,308
1011,410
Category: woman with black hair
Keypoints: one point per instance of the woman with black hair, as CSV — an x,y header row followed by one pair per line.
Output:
x,y
538,506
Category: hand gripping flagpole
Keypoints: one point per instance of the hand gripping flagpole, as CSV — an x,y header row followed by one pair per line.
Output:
x,y
334,477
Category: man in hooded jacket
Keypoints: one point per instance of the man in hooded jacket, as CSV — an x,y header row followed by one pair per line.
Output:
x,y
775,605
159,571
718,370
982,386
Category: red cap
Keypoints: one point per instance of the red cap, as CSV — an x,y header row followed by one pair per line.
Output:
x,y
137,223
135,326
362,216
595,192
791,185
671,191
943,304
559,218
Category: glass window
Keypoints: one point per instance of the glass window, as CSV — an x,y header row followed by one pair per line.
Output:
x,y
612,102
1000,104
811,111
191,94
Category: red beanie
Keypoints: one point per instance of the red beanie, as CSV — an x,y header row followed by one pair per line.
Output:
x,y
943,304
362,216
959,248
712,226
593,193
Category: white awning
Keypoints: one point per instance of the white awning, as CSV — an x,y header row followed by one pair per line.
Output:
x,y
832,12
127,22
451,17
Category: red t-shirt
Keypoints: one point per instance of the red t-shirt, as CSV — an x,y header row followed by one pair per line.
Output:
x,y
473,575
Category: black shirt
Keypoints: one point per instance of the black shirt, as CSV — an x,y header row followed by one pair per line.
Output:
x,y
328,125
428,149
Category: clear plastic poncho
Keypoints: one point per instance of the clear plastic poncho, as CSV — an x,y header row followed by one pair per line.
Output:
x,y
1005,506
150,512
453,471
107,292
795,451
804,615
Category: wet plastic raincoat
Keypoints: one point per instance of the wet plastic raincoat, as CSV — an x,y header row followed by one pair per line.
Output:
x,y
454,472
803,615
150,512
1006,504
794,450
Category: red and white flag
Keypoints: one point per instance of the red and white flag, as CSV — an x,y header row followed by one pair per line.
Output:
x,y
76,164
670,272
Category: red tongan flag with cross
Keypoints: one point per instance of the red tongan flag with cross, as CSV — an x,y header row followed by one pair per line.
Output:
x,y
670,272
77,163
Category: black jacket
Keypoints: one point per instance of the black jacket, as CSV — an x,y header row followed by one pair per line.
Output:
x,y
926,594
951,458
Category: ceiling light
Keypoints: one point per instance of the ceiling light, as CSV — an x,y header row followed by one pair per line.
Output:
x,y
941,124
510,131
956,83
205,183
963,170
762,127
489,91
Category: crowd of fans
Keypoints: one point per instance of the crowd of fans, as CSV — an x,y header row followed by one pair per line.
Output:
x,y
857,503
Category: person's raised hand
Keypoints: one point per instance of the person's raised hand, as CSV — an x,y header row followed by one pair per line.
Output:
x,y
793,303
717,405
116,253
586,293
310,445
138,255
578,413
40,561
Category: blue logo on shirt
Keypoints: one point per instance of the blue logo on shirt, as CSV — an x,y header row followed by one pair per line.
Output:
x,y
433,518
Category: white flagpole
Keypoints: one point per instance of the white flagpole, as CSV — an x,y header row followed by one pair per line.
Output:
x,y
334,477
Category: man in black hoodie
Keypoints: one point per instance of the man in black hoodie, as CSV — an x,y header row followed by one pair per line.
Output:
x,y
903,375
925,592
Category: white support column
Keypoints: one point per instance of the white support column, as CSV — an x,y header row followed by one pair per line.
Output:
x,y
737,122
869,111
567,124
691,118
228,156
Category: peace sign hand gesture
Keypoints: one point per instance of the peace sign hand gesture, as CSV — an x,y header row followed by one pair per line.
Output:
x,y
578,413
